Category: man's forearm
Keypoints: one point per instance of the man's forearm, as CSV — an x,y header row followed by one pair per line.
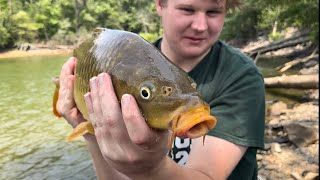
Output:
x,y
168,169
103,170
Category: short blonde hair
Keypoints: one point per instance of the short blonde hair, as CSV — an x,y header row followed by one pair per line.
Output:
x,y
231,4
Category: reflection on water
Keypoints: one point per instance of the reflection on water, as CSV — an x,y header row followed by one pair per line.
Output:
x,y
32,140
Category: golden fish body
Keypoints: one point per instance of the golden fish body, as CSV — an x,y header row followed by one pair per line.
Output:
x,y
165,94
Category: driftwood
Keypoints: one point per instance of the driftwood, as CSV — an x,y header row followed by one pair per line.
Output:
x,y
289,42
293,81
295,62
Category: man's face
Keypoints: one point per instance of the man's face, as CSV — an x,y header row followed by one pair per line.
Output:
x,y
191,26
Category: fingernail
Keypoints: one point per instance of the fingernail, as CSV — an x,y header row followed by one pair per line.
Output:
x,y
101,78
86,95
93,84
125,100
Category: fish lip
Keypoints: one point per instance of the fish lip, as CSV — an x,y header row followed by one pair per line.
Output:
x,y
194,123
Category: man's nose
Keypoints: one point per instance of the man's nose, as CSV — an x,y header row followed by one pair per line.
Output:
x,y
200,22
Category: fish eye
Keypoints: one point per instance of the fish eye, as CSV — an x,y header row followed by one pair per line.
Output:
x,y
145,92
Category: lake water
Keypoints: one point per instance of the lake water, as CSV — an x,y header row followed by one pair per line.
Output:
x,y
32,140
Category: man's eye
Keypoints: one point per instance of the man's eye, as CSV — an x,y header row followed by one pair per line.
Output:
x,y
213,13
187,10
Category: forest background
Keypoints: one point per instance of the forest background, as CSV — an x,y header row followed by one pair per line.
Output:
x,y
68,22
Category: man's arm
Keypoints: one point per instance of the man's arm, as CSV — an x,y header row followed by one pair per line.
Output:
x,y
214,160
217,157
102,168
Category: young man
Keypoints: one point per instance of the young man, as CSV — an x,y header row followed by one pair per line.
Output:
x,y
124,147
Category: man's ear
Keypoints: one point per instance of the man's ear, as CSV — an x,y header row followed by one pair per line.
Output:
x,y
158,7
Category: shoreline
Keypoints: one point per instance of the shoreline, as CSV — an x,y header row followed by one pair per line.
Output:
x,y
14,53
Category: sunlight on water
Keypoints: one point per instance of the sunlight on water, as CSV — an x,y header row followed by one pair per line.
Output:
x,y
32,140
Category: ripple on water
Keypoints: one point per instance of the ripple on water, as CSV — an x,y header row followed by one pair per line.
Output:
x,y
33,144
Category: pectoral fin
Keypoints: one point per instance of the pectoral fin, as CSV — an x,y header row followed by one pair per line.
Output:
x,y
55,97
82,129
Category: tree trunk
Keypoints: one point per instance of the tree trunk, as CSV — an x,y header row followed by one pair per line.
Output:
x,y
293,81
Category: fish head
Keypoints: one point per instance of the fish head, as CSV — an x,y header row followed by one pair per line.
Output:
x,y
174,105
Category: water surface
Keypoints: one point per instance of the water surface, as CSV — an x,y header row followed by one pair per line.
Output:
x,y
32,140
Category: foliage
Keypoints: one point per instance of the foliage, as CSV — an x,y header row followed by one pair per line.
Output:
x,y
272,17
150,37
70,21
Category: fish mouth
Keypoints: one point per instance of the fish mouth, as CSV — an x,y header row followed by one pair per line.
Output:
x,y
194,123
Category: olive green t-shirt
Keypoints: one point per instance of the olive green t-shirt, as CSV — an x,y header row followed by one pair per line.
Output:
x,y
230,82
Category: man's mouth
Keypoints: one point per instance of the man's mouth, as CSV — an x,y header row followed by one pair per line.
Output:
x,y
195,39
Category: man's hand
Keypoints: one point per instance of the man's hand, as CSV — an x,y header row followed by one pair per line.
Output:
x,y
124,138
66,106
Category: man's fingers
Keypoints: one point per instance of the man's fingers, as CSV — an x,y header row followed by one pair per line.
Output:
x,y
140,133
111,109
96,106
88,101
67,69
66,80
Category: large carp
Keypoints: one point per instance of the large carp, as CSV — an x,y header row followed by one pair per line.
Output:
x,y
166,95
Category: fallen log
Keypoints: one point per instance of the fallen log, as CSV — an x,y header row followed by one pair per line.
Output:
x,y
281,46
293,81
289,42
295,62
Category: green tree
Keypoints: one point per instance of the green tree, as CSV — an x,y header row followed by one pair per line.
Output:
x,y
48,15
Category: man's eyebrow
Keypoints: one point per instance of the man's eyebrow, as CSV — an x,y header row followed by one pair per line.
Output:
x,y
214,7
184,5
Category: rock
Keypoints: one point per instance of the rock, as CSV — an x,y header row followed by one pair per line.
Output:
x,y
259,157
311,95
301,135
311,63
280,139
311,176
311,168
296,176
277,108
267,146
275,123
275,147
271,167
